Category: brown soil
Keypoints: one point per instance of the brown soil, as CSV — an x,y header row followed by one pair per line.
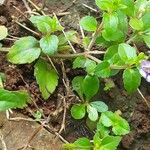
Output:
x,y
21,77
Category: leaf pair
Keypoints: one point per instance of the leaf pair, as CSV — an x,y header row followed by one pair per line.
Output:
x,y
103,140
78,111
119,125
46,24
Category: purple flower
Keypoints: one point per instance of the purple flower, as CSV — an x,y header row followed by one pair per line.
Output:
x,y
145,70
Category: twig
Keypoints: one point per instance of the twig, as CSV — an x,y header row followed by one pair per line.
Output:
x,y
26,5
145,100
51,63
36,7
36,33
95,36
64,117
23,14
20,118
94,58
3,142
89,7
73,49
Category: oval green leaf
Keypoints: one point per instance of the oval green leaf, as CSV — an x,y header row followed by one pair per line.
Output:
x,y
25,50
78,111
49,44
90,86
88,23
131,80
46,78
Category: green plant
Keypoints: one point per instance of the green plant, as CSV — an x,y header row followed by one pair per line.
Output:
x,y
87,87
123,24
103,138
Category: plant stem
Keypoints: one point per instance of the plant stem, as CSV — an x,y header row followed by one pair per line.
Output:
x,y
95,36
86,54
131,39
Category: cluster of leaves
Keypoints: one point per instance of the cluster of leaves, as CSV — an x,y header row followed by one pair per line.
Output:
x,y
28,49
110,129
118,16
87,87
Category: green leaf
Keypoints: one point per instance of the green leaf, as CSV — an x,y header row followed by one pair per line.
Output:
x,y
131,80
3,32
46,77
83,144
104,4
119,125
77,84
129,10
90,86
25,50
92,113
97,140
126,52
146,19
107,119
110,143
99,105
113,35
82,62
103,70
78,111
49,44
88,23
79,144
100,41
110,22
13,99
123,22
147,40
136,24
46,24
103,131
110,52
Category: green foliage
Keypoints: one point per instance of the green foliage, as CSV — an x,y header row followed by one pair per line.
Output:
x,y
49,44
45,24
90,86
25,50
126,52
103,70
103,138
83,62
100,106
3,32
131,80
13,99
92,113
119,125
136,23
88,23
77,84
78,111
46,77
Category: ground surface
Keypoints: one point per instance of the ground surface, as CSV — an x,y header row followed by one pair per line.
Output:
x,y
21,77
